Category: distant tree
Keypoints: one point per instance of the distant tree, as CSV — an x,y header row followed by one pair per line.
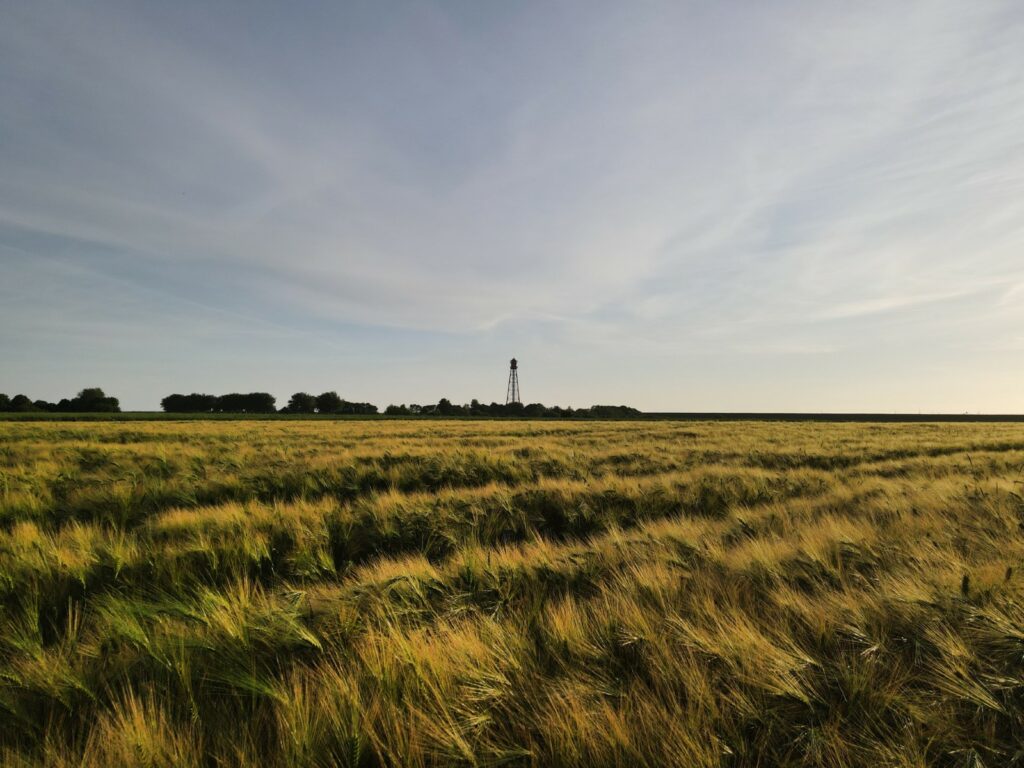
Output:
x,y
232,402
328,402
94,400
254,402
22,404
194,403
397,410
260,402
5,403
453,410
173,404
301,402
534,410
610,411
203,403
357,408
416,409
42,405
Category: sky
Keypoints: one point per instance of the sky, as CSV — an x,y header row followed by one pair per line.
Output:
x,y
752,206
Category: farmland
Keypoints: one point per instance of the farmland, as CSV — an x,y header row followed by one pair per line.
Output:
x,y
478,593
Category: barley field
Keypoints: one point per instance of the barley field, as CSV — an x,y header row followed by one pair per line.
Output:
x,y
473,593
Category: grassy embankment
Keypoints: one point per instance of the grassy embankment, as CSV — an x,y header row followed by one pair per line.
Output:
x,y
519,593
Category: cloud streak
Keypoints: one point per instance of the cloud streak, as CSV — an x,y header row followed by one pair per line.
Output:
x,y
689,188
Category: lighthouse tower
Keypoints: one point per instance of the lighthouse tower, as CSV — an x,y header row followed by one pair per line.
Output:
x,y
513,383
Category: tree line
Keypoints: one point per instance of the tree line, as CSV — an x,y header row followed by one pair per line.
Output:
x,y
330,403
445,407
89,400
94,400
236,402
263,402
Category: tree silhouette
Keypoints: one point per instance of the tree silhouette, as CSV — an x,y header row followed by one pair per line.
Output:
x,y
254,402
301,402
21,404
328,402
93,400
194,403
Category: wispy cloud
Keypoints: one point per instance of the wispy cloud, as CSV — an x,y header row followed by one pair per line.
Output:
x,y
661,183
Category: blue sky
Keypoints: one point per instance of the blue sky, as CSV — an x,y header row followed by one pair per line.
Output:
x,y
681,206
